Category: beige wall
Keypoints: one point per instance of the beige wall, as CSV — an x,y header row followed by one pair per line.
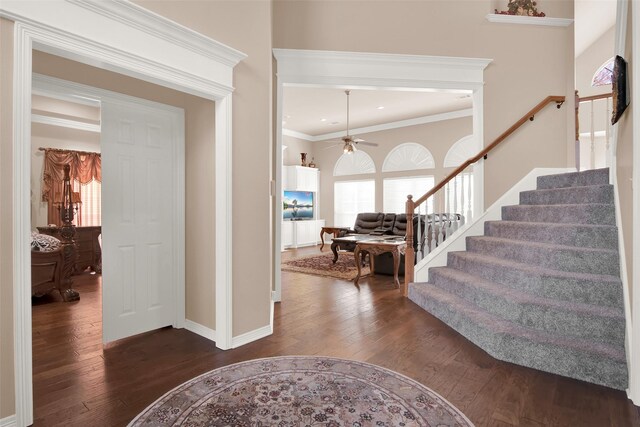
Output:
x,y
529,63
624,159
437,137
295,146
246,26
199,142
589,62
7,401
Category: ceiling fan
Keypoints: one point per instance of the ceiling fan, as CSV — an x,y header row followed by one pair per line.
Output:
x,y
349,141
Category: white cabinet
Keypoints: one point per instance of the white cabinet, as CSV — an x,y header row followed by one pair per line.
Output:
x,y
301,233
287,233
300,178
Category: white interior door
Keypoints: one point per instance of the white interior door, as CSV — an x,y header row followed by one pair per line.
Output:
x,y
141,211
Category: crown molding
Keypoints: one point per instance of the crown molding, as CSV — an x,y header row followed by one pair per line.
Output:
x,y
156,25
71,124
384,126
544,21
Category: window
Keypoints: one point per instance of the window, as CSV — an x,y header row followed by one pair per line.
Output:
x,y
351,198
395,191
603,75
89,212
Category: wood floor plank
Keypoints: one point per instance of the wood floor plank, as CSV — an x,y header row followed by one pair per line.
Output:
x,y
78,382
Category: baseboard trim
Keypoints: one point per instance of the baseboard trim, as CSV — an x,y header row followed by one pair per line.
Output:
x,y
198,329
9,421
251,336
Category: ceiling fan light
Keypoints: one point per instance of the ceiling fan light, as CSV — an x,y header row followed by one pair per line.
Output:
x,y
348,148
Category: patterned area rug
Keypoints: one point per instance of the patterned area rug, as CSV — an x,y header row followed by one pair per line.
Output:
x,y
301,391
321,265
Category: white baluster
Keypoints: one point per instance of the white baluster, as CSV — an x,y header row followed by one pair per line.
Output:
x,y
469,188
434,236
593,138
607,129
440,218
419,253
463,217
454,222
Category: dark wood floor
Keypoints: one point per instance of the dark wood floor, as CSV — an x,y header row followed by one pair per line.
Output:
x,y
78,383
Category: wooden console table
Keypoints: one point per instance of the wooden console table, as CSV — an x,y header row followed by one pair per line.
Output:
x,y
87,247
336,231
379,246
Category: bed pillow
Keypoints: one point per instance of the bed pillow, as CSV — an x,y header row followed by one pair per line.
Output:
x,y
44,243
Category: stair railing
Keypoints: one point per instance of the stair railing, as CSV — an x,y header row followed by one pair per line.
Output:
x,y
442,213
599,124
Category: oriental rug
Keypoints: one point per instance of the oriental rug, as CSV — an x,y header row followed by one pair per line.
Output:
x,y
301,391
322,265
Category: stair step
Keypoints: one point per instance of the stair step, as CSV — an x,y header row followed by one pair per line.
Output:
x,y
557,257
592,213
569,195
603,324
572,357
574,179
582,235
598,289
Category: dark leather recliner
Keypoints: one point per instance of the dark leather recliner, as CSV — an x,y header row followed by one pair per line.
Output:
x,y
367,222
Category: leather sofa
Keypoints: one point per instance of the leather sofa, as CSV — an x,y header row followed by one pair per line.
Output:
x,y
396,224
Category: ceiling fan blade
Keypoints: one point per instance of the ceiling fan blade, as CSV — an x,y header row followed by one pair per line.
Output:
x,y
363,142
357,140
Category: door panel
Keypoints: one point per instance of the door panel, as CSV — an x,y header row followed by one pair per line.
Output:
x,y
138,223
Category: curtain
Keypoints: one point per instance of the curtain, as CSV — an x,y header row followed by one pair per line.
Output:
x,y
85,168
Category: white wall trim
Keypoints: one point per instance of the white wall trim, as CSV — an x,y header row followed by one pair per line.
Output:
x,y
199,329
457,242
529,20
383,126
75,32
634,356
9,421
251,336
372,70
66,123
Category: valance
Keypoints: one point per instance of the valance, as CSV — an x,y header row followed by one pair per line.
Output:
x,y
85,167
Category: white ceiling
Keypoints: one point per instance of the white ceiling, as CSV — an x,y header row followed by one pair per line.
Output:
x,y
592,19
304,108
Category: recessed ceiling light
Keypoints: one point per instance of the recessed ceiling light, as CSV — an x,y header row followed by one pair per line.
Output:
x,y
380,107
287,116
284,122
323,120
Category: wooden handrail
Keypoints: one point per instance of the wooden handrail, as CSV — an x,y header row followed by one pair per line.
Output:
x,y
596,97
529,116
410,206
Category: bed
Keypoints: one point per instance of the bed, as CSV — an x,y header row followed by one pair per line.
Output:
x,y
51,267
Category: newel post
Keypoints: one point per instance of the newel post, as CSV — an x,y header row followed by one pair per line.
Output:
x,y
409,256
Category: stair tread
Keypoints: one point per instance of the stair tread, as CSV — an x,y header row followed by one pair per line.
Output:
x,y
554,224
543,271
543,245
559,205
524,297
500,325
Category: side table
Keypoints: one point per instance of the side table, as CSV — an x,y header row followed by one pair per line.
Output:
x,y
379,246
336,231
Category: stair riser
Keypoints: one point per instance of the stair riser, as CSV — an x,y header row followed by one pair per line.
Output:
x,y
560,360
566,214
583,236
568,196
562,258
537,316
591,177
607,294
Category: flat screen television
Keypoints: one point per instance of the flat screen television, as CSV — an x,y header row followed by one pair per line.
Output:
x,y
297,205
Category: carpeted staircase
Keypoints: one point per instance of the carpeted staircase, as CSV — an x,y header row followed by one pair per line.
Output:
x,y
542,287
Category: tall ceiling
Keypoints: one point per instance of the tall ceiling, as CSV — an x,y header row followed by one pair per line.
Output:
x,y
319,111
592,19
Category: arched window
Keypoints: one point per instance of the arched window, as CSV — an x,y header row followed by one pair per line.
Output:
x,y
603,75
408,156
356,163
460,152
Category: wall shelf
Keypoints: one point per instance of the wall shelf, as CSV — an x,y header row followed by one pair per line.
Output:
x,y
529,20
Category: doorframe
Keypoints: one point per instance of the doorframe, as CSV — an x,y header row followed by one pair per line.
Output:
x,y
332,69
146,46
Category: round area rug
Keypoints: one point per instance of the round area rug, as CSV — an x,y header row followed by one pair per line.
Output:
x,y
301,391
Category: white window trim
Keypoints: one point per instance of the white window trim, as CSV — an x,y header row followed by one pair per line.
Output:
x,y
387,167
